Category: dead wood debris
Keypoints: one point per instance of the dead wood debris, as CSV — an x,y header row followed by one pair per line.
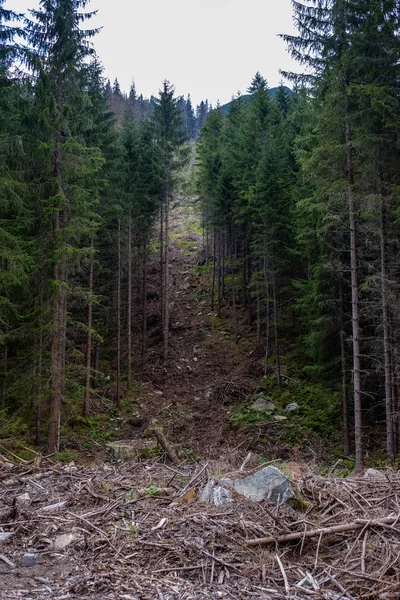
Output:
x,y
135,541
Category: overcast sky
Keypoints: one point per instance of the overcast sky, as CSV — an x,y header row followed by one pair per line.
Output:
x,y
208,48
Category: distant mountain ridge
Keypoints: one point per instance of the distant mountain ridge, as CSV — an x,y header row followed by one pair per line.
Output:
x,y
247,97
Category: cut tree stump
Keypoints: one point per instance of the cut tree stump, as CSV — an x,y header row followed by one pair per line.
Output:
x,y
168,447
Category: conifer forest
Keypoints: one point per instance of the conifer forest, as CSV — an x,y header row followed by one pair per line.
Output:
x,y
199,319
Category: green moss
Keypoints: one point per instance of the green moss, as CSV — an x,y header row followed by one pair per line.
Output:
x,y
67,456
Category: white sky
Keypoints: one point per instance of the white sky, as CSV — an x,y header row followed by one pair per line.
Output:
x,y
208,48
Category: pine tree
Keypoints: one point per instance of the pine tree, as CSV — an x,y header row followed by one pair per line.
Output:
x,y
168,124
61,47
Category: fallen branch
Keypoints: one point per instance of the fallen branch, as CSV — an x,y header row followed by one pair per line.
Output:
x,y
298,535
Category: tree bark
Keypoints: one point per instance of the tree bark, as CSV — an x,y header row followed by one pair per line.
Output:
x,y
345,402
355,292
119,319
386,341
129,323
86,402
144,308
166,277
57,342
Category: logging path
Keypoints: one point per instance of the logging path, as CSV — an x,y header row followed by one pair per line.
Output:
x,y
134,530
205,364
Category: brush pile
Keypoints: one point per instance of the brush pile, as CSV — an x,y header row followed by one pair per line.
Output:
x,y
136,532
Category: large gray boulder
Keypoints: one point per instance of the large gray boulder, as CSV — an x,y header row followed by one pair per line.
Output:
x,y
269,484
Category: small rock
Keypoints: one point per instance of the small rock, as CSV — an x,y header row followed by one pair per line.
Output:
x,y
374,474
262,405
4,536
129,449
215,494
292,407
29,560
268,484
23,500
64,540
280,418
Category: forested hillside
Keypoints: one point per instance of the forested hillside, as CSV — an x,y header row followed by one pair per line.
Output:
x,y
298,198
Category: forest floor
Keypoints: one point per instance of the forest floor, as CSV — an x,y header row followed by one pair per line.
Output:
x,y
134,530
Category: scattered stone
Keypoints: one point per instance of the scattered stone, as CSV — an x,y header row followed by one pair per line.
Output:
x,y
268,484
23,500
215,494
64,540
29,560
375,474
129,449
262,405
5,535
292,407
280,418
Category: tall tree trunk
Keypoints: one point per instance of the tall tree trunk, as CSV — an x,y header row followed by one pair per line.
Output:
x,y
166,277
119,318
129,324
86,402
355,292
57,341
235,321
268,316
162,268
345,400
95,379
386,341
223,244
213,272
277,348
144,283
219,275
3,374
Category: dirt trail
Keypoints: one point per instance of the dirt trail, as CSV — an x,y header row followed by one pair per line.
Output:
x,y
203,355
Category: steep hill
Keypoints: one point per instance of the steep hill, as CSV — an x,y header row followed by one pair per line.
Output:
x,y
247,97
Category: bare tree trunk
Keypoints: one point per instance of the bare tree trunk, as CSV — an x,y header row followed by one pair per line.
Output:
x,y
129,323
354,296
86,401
268,320
119,318
57,350
166,289
207,233
235,322
219,274
258,316
277,348
386,341
345,400
213,273
95,378
3,374
162,270
144,325
39,374
223,244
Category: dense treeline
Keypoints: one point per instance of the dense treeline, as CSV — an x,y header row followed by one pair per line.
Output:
x,y
191,120
79,199
299,197
300,204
